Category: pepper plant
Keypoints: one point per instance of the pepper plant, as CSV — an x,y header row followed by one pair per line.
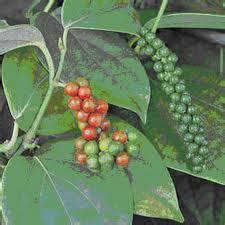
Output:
x,y
103,42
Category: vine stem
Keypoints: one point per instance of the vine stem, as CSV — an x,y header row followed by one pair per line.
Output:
x,y
160,14
49,5
29,137
221,60
6,147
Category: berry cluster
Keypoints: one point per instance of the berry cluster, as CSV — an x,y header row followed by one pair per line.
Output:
x,y
189,123
100,146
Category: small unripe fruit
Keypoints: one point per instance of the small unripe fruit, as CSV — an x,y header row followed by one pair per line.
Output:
x,y
71,89
203,150
119,136
106,160
164,51
178,71
169,67
89,133
79,143
192,148
197,160
132,149
172,58
84,92
169,89
191,109
174,80
89,105
186,98
143,31
102,106
81,157
181,108
157,43
158,67
74,103
196,119
193,128
182,128
122,159
172,106
104,144
197,169
91,148
176,116
82,116
161,76
81,125
149,37
92,162
115,147
180,87
148,50
132,136
141,42
95,119
82,81
188,137
189,155
186,118
175,97
199,139
105,124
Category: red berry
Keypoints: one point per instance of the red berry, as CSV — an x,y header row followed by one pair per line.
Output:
x,y
84,92
71,89
79,143
81,157
120,136
105,124
95,119
82,116
89,133
89,105
81,125
102,106
75,103
122,159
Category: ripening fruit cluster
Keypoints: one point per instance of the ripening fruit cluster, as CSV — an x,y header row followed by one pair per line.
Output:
x,y
189,123
99,147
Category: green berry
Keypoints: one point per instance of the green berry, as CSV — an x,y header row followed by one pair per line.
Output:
x,y
164,51
193,129
148,50
172,58
201,130
181,108
92,162
189,155
132,149
167,76
104,144
141,42
186,98
191,109
203,150
105,159
115,147
174,80
158,67
196,119
156,58
175,97
176,116
157,43
143,31
169,67
149,37
197,160
197,169
169,89
161,76
91,148
164,86
164,60
186,118
132,136
178,71
192,148
199,139
182,128
188,137
172,107
205,142
180,87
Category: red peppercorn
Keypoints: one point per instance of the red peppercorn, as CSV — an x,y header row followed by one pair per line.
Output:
x,y
81,157
102,106
120,136
122,159
84,92
82,116
71,89
105,124
75,103
95,119
89,105
89,133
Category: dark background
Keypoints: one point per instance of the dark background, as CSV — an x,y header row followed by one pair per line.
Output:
x,y
197,197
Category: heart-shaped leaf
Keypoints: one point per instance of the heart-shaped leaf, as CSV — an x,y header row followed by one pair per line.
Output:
x,y
55,191
25,84
153,191
110,15
207,89
104,57
189,20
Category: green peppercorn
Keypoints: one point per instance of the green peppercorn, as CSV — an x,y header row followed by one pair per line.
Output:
x,y
149,37
175,97
197,160
164,51
172,106
91,148
157,43
178,71
169,67
132,136
168,75
132,149
186,98
172,58
186,118
169,89
188,137
176,116
143,31
181,108
197,169
158,67
161,76
192,148
106,160
164,86
180,87
189,155
164,60
92,162
205,142
191,109
156,57
193,128
141,42
199,139
196,119
174,80
115,147
201,130
203,150
148,50
182,128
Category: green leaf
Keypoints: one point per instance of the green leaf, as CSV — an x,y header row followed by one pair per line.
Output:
x,y
189,20
3,24
25,84
110,15
153,190
207,89
17,36
55,191
115,73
